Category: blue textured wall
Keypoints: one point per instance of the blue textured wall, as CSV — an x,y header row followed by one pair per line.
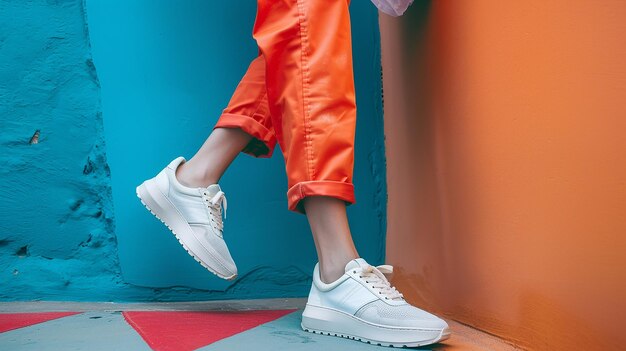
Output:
x,y
167,69
56,229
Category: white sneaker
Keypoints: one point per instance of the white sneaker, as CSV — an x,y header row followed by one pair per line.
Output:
x,y
363,305
194,215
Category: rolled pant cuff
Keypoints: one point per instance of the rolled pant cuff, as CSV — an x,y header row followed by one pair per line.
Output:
x,y
263,140
340,190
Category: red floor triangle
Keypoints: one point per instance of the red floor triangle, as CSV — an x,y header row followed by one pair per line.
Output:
x,y
10,321
187,330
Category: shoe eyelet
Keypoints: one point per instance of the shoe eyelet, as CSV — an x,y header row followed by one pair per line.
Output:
x,y
353,271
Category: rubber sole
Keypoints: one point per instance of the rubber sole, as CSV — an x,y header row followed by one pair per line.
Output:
x,y
331,322
151,203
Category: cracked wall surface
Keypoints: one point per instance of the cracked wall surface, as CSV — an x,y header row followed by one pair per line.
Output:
x,y
60,238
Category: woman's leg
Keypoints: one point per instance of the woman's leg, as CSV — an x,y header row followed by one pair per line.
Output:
x,y
314,116
245,125
308,51
182,187
209,163
331,233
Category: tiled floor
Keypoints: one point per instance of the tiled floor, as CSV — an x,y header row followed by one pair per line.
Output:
x,y
216,325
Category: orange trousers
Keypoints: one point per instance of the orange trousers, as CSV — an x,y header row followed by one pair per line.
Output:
x,y
299,92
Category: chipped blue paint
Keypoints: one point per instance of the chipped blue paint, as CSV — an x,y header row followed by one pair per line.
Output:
x,y
166,70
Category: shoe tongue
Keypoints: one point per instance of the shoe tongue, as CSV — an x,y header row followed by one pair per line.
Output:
x,y
213,189
356,263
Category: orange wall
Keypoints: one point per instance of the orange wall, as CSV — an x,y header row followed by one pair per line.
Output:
x,y
505,131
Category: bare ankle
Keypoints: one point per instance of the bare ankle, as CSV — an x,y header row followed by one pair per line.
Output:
x,y
329,276
331,271
189,177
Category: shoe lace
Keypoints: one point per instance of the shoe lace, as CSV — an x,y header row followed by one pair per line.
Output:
x,y
374,276
215,204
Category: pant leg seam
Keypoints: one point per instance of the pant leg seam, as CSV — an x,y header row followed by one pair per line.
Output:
x,y
302,26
